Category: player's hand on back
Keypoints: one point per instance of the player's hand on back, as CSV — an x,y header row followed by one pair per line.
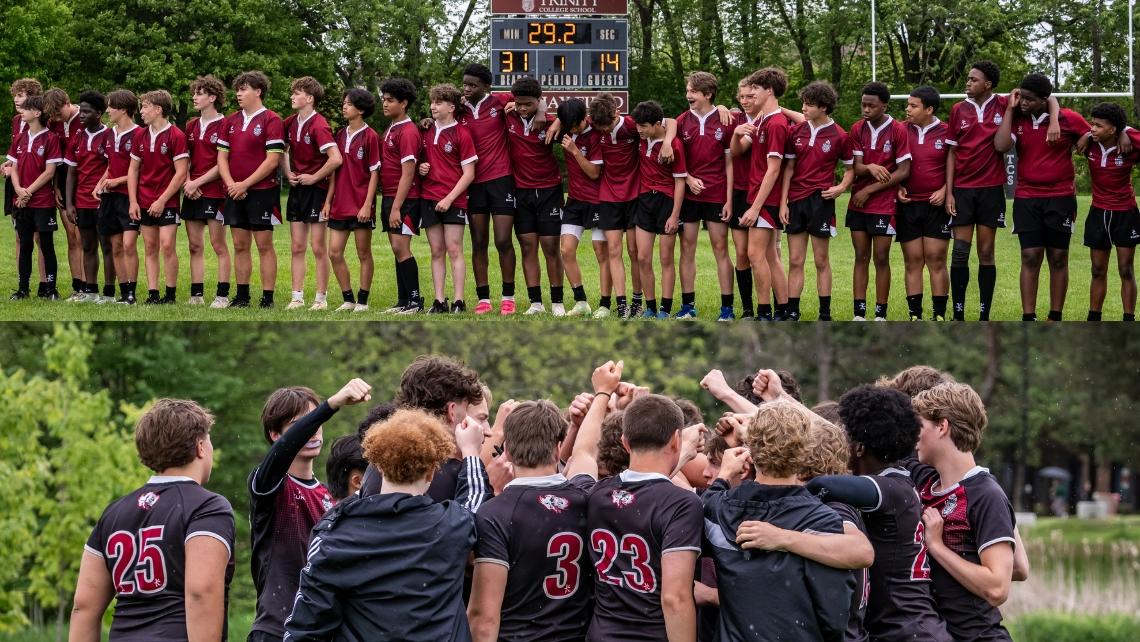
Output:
x,y
607,377
353,392
762,536
734,465
469,437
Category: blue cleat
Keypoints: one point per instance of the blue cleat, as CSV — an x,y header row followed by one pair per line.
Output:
x,y
661,314
687,311
649,314
726,314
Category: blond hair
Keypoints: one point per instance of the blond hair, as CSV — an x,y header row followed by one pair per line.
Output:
x,y
827,451
962,409
778,438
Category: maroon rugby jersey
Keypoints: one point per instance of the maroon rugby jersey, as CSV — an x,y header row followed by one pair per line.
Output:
x,y
141,538
816,150
1111,174
32,153
202,139
117,150
85,154
976,514
531,156
308,140
970,128
582,187
1048,170
655,175
249,139
361,153
706,142
634,518
402,142
770,139
621,181
65,130
486,122
18,126
448,149
928,151
742,165
156,153
536,528
886,145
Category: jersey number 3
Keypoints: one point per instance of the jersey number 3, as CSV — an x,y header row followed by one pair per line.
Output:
x,y
641,577
139,562
566,549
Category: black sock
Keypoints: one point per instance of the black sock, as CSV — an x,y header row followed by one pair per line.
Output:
x,y
914,305
223,288
1128,316
197,289
860,307
825,308
667,304
1054,315
620,300
131,287
959,282
604,301
1094,315
412,280
726,301
483,292
401,286
170,292
987,277
243,291
940,305
76,284
781,309
40,289
637,298
744,284
508,288
880,310
348,296
267,296
534,294
688,298
556,294
152,294
579,293
362,297
109,289
90,288
1028,316
764,311
122,289
651,305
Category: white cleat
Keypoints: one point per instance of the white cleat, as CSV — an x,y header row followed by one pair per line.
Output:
x,y
580,309
220,302
295,304
196,300
558,309
535,308
360,307
346,307
859,318
319,306
602,312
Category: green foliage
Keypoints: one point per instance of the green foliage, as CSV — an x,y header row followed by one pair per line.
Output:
x,y
1057,627
63,455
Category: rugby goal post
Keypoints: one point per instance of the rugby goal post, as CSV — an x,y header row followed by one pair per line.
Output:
x,y
1077,94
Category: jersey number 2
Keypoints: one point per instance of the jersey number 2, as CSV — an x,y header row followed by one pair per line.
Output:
x,y
566,549
641,577
139,562
920,570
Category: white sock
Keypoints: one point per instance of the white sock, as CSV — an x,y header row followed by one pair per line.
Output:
x,y
298,295
321,297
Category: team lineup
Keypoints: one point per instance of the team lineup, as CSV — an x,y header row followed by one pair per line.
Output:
x,y
620,517
485,162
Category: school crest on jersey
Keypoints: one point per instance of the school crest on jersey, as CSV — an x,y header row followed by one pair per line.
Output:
x,y
164,149
257,129
40,150
949,506
622,498
887,147
494,112
213,138
938,144
719,133
826,147
360,153
447,147
147,500
997,119
542,135
128,145
554,503
308,139
326,503
1119,161
763,137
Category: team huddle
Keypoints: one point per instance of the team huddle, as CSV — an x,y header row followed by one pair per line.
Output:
x,y
620,517
485,161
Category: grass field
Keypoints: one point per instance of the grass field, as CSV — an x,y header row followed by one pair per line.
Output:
x,y
1006,304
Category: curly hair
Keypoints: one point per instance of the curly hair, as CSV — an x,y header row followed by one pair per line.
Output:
x,y
531,432
210,86
827,452
167,435
778,438
820,94
991,71
254,80
915,379
408,446
310,86
961,407
612,455
400,89
431,382
26,86
882,419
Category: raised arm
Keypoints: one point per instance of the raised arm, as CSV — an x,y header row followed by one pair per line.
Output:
x,y
472,488
584,460
718,387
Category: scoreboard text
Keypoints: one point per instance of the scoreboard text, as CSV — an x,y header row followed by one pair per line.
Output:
x,y
560,53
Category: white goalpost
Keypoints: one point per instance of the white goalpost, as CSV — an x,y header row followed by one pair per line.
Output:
x,y
1076,94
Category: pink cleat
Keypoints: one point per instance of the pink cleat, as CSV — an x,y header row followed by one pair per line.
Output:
x,y
507,307
483,307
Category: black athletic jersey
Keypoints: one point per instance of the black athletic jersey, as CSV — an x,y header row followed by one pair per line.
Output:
x,y
855,632
536,528
634,519
141,537
976,514
901,606
442,486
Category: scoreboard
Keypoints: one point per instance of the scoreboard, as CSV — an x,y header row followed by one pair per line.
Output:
x,y
561,53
